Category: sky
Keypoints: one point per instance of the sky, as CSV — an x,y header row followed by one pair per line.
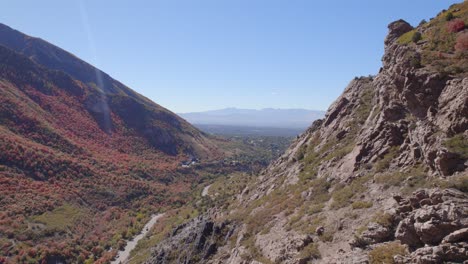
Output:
x,y
197,55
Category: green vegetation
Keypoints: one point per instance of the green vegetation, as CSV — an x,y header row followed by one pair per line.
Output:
x,y
310,252
441,34
415,178
383,219
416,37
254,252
383,164
61,218
449,16
458,144
327,236
459,182
384,254
361,204
444,50
365,103
248,149
342,195
162,229
407,37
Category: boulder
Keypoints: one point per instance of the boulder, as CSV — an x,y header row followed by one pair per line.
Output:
x,y
457,236
376,233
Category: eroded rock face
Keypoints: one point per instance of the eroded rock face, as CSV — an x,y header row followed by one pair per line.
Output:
x,y
402,117
433,216
192,242
282,246
442,253
435,225
376,233
396,29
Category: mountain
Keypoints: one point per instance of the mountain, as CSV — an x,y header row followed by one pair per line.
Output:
x,y
382,178
268,117
84,160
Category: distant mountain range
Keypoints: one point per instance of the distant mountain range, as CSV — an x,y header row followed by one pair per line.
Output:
x,y
268,117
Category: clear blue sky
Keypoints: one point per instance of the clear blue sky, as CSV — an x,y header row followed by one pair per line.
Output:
x,y
192,55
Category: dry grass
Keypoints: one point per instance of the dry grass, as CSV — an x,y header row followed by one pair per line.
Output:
x,y
384,254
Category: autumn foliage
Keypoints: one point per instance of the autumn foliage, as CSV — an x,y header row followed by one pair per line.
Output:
x,y
462,42
69,190
455,25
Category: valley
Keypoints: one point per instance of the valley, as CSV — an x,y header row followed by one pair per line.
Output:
x,y
93,172
85,161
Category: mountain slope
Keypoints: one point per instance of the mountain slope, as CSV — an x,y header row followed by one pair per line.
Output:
x,y
84,160
269,117
382,178
105,96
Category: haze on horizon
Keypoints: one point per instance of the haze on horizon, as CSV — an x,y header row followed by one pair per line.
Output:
x,y
195,56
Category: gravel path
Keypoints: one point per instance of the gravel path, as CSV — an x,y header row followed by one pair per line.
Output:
x,y
122,255
205,191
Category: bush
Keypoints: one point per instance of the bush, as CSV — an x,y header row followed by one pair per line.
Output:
x,y
416,37
422,22
385,253
449,16
361,204
415,62
310,252
456,25
407,37
342,196
462,42
458,144
383,219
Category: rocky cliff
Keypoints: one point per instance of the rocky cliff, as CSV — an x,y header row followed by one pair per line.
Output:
x,y
381,179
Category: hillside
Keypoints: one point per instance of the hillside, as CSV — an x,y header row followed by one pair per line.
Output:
x,y
84,160
382,178
268,117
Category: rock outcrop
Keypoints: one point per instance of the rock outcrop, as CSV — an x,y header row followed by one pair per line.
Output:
x,y
383,175
434,223
195,241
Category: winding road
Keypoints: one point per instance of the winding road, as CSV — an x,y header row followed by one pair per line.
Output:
x,y
122,255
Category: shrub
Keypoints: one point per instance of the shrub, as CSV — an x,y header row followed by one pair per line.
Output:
x,y
383,219
407,37
415,62
310,252
416,37
342,196
449,16
458,144
326,237
422,22
383,164
455,25
459,183
462,42
361,204
386,252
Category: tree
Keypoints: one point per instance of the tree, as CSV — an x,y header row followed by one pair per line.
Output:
x,y
462,42
456,25
416,37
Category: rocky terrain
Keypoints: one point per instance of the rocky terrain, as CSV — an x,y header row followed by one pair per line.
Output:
x,y
381,179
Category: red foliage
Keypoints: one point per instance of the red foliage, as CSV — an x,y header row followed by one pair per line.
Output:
x,y
462,42
53,152
455,25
